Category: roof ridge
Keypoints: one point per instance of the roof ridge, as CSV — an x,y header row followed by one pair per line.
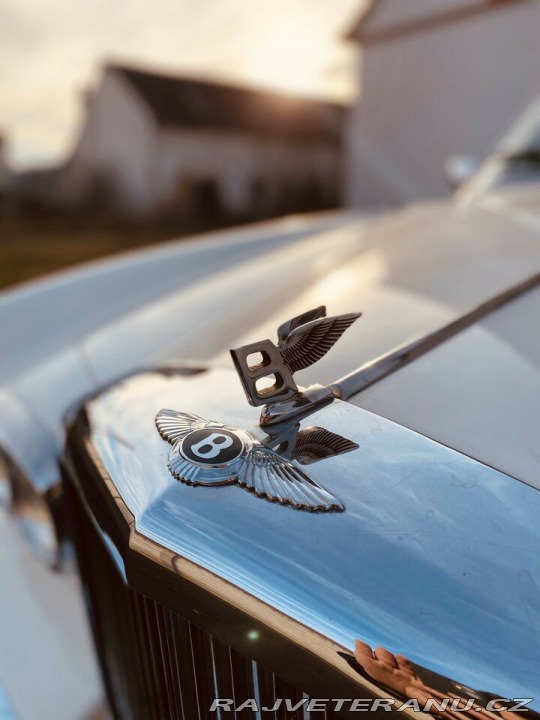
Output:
x,y
184,101
222,84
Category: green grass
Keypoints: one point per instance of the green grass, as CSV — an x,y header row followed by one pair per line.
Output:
x,y
34,246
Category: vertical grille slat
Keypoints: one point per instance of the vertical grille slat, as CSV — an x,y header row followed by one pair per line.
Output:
x,y
169,660
222,664
165,660
156,665
242,678
201,643
188,684
180,694
151,648
284,690
144,685
267,692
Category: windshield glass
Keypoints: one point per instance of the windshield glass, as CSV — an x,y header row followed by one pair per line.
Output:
x,y
515,160
520,148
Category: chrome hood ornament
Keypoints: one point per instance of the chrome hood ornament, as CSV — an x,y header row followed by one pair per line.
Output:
x,y
209,453
302,341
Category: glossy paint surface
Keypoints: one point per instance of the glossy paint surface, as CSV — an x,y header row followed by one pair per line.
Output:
x,y
409,273
488,377
436,556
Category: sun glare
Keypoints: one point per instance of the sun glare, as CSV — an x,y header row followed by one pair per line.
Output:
x,y
287,45
287,60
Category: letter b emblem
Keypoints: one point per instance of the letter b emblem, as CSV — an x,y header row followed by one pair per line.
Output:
x,y
211,446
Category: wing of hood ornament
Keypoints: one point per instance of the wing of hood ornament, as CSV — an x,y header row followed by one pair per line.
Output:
x,y
316,443
310,342
302,341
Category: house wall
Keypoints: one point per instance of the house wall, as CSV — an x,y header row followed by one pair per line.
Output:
x,y
443,91
125,159
4,172
389,13
117,148
250,173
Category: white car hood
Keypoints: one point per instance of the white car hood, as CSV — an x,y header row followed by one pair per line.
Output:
x,y
409,273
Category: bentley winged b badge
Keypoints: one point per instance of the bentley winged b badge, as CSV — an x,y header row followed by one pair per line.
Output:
x,y
209,453
205,452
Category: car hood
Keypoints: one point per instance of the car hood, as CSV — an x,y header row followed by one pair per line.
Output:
x,y
410,563
410,273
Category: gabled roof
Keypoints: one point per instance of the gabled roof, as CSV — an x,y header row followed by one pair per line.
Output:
x,y
178,102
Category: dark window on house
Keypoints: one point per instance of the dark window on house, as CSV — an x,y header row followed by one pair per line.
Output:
x,y
207,201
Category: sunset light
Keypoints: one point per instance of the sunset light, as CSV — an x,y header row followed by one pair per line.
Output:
x,y
52,54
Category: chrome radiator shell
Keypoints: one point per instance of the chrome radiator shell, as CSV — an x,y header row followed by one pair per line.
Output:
x,y
157,665
411,565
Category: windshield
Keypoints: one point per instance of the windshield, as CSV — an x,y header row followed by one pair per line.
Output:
x,y
515,160
519,150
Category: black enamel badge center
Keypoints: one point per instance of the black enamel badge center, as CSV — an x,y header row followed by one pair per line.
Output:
x,y
212,446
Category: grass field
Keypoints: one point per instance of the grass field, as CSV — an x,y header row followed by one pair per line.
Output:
x,y
34,246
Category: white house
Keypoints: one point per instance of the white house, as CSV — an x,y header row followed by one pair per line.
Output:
x,y
153,142
4,171
437,78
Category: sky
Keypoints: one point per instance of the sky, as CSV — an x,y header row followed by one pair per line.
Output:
x,y
51,50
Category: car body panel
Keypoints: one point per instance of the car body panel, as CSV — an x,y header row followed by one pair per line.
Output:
x,y
434,557
409,273
47,661
479,392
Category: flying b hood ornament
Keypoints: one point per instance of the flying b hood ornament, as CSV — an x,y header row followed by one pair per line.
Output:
x,y
302,341
208,453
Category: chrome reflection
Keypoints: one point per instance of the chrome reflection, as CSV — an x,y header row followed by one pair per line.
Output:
x,y
309,445
427,690
36,513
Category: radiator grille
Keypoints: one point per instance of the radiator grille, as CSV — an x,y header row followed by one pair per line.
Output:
x,y
157,665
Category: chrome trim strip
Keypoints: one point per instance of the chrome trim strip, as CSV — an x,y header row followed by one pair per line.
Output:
x,y
377,369
215,676
194,674
256,693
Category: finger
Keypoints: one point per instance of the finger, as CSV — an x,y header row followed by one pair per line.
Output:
x,y
362,650
386,657
404,663
508,715
418,693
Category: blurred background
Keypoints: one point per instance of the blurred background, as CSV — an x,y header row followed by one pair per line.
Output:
x,y
124,123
